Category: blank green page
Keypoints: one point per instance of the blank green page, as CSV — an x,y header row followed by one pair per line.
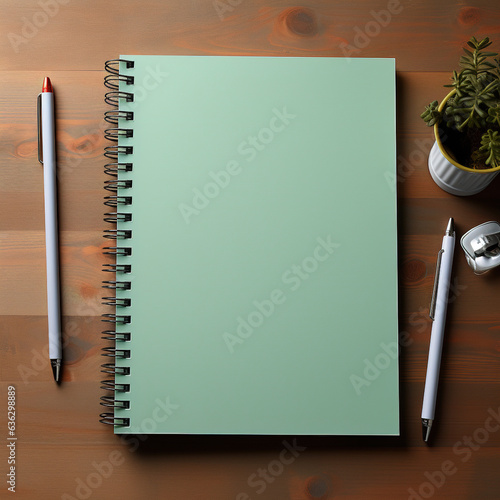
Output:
x,y
263,278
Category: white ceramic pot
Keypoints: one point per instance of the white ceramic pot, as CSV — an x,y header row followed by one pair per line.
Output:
x,y
450,175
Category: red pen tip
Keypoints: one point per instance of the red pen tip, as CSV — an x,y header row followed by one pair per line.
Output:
x,y
47,86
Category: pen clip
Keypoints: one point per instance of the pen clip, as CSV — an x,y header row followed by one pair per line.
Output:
x,y
436,279
39,127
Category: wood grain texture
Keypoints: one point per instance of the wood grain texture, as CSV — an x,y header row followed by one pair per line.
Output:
x,y
63,452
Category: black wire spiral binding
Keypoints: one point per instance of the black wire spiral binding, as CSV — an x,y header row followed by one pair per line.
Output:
x,y
112,386
118,234
124,251
113,115
113,268
117,118
113,168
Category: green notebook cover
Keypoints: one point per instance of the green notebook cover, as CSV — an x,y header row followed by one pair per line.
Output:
x,y
263,279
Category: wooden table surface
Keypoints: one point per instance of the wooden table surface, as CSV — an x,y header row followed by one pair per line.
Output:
x,y
62,451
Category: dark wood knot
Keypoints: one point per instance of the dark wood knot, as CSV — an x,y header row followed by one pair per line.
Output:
x,y
300,20
413,270
318,488
469,16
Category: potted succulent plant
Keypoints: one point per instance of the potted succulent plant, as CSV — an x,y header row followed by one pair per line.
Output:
x,y
466,154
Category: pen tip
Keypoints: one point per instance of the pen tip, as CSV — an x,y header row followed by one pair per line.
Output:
x,y
47,85
56,368
450,229
426,429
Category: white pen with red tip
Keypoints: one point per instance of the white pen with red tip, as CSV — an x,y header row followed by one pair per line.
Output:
x,y
47,156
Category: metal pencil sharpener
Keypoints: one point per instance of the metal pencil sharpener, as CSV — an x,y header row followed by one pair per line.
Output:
x,y
482,247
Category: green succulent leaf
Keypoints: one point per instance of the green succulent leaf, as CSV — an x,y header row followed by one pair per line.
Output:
x,y
475,105
494,114
431,115
477,90
490,148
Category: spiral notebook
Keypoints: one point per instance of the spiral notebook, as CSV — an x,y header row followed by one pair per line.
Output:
x,y
252,246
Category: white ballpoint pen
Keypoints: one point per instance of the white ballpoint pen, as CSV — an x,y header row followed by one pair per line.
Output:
x,y
439,305
47,157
